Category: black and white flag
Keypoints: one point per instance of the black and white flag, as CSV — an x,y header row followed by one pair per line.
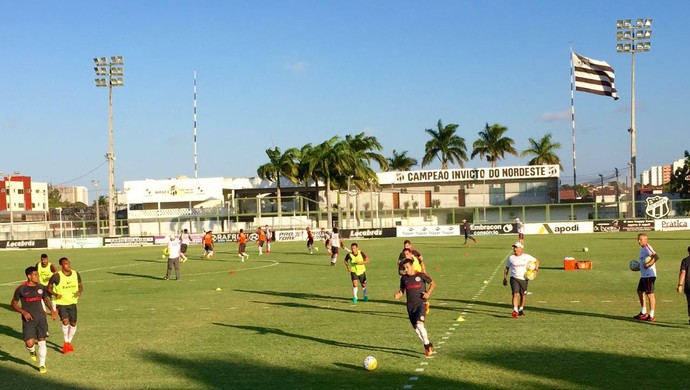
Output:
x,y
594,76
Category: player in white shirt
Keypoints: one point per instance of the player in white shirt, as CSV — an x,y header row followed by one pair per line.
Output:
x,y
521,231
648,259
174,250
269,237
186,240
516,265
336,244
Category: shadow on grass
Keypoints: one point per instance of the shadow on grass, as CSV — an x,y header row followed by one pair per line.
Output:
x,y
305,306
243,372
18,373
335,343
528,309
301,295
539,367
127,274
7,306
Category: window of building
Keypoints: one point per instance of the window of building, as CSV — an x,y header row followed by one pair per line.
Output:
x,y
20,191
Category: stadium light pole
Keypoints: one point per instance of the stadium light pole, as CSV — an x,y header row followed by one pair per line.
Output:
x,y
113,71
98,217
636,40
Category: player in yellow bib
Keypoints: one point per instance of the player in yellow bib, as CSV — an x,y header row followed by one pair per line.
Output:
x,y
356,261
46,269
66,287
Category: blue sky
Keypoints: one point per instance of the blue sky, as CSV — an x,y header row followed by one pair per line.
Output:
x,y
287,73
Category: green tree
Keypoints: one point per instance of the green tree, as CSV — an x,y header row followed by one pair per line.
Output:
x,y
445,145
680,185
330,161
362,150
54,197
543,151
279,165
492,144
400,161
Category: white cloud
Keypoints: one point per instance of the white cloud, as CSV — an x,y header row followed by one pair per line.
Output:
x,y
297,67
555,116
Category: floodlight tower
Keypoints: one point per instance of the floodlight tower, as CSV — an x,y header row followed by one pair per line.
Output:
x,y
114,72
636,40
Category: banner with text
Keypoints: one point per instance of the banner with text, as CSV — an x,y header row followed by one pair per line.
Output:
x,y
673,224
636,226
470,174
24,244
427,231
128,241
486,229
352,234
559,228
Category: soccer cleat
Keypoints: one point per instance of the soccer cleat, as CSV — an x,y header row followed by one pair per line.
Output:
x,y
428,349
521,313
268,251
42,369
650,319
366,298
515,314
70,346
354,299
426,308
32,355
317,249
641,317
65,348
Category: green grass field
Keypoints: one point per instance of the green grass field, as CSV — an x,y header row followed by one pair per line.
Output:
x,y
286,321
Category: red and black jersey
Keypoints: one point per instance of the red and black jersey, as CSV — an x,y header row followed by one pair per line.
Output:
x,y
30,298
414,286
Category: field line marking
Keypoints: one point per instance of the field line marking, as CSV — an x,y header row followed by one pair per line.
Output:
x,y
463,312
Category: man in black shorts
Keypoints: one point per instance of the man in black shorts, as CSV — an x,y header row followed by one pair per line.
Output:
x,y
34,323
684,279
356,261
413,285
66,287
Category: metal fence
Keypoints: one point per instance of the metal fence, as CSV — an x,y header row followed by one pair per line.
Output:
x,y
297,213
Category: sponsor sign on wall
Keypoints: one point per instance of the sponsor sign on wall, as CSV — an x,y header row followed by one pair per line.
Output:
x,y
486,229
128,241
559,228
667,225
427,231
636,226
24,244
606,226
351,234
470,174
291,235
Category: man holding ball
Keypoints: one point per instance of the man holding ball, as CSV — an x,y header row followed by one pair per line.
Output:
x,y
647,260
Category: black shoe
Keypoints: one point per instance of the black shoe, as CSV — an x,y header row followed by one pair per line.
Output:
x,y
521,313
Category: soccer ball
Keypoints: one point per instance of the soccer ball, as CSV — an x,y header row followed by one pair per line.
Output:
x,y
370,363
531,266
585,249
530,275
634,265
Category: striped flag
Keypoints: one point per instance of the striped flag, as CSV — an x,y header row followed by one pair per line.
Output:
x,y
593,76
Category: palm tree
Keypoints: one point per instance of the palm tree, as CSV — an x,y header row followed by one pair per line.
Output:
x,y
279,165
400,161
543,151
492,144
445,145
362,150
330,161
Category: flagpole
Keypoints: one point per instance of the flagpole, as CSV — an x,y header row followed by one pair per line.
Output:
x,y
572,114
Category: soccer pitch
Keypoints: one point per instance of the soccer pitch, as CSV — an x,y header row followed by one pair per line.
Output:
x,y
285,320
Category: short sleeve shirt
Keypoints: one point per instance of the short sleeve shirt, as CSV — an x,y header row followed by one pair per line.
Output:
x,y
518,265
30,298
685,266
414,286
650,272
